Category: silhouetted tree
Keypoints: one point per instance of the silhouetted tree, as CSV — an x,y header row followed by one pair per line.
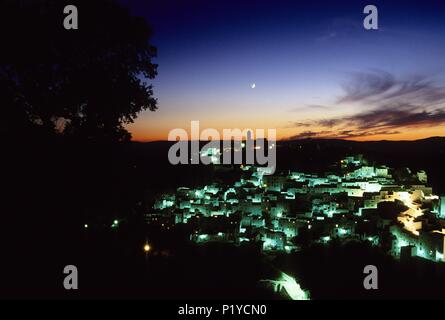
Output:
x,y
85,83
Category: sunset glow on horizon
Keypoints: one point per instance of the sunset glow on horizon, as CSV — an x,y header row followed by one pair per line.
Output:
x,y
318,77
282,134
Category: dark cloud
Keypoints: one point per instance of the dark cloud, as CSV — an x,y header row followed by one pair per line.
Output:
x,y
382,121
366,85
310,134
297,124
393,118
329,123
391,104
387,117
377,87
308,107
345,134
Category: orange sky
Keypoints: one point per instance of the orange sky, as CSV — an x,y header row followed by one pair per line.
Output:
x,y
158,131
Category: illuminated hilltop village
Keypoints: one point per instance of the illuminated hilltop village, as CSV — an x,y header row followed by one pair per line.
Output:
x,y
394,209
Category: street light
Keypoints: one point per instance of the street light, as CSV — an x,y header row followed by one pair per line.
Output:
x,y
115,223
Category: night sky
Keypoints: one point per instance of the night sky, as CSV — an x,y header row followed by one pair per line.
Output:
x,y
317,71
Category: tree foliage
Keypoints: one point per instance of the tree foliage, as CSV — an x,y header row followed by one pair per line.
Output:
x,y
85,83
